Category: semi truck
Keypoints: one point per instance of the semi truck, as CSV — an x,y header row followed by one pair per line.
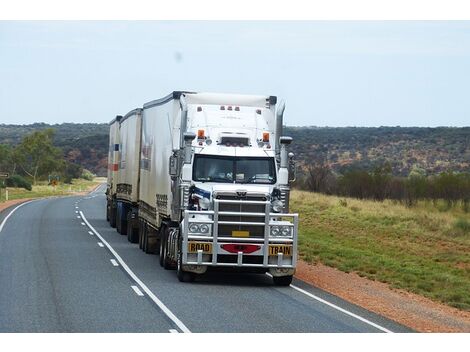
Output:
x,y
203,179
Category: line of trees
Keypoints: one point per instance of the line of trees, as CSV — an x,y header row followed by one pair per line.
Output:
x,y
36,158
380,184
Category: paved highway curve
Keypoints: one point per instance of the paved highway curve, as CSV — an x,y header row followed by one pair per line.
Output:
x,y
64,269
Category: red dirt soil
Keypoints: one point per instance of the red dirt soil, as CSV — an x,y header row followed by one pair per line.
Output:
x,y
409,309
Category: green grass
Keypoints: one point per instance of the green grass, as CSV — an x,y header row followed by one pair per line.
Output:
x,y
44,190
421,249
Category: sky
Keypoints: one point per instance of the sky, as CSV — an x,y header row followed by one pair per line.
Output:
x,y
330,73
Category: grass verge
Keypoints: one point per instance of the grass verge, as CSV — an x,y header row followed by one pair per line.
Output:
x,y
44,190
420,249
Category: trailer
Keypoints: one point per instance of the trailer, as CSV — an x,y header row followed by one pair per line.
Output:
x,y
213,185
113,168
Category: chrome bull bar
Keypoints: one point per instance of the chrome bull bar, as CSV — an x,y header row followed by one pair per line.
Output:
x,y
269,220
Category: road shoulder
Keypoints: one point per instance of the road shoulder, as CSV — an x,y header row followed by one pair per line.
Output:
x,y
412,310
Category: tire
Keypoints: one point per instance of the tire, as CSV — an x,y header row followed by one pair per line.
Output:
x,y
141,232
107,211
162,244
123,221
118,219
144,237
112,215
282,280
183,276
132,232
146,246
167,263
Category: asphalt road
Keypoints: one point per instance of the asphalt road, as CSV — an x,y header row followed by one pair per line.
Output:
x,y
64,269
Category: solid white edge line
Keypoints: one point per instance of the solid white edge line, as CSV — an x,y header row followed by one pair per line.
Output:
x,y
114,262
341,309
144,287
136,290
11,213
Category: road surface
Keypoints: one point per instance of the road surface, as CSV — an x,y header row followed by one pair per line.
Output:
x,y
64,269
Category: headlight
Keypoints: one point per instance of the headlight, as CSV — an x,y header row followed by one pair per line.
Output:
x,y
199,228
275,231
286,231
277,206
204,203
281,231
194,228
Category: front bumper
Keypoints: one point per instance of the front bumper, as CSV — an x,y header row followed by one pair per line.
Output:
x,y
250,252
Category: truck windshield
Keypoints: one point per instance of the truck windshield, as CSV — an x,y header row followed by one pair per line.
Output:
x,y
211,168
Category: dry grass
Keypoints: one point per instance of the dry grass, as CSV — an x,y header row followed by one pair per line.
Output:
x,y
44,190
421,249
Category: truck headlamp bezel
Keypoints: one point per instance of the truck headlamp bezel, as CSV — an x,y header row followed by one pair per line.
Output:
x,y
277,205
193,228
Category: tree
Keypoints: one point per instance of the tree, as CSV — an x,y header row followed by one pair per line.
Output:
x,y
5,158
36,156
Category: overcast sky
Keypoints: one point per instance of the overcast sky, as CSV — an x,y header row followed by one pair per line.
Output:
x,y
330,73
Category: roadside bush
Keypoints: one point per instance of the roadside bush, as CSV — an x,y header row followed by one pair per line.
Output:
x,y
463,225
18,181
87,175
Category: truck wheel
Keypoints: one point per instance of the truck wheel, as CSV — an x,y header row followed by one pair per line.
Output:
x,y
144,237
132,232
141,232
162,245
107,211
112,215
167,263
282,280
122,222
118,220
183,276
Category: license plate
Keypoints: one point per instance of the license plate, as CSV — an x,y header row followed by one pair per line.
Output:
x,y
206,247
275,249
240,233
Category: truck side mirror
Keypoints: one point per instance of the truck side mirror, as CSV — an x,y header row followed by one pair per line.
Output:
x,y
292,168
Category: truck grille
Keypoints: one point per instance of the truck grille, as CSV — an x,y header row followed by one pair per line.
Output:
x,y
255,231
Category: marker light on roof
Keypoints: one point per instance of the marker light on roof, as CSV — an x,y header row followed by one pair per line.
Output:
x,y
200,134
265,136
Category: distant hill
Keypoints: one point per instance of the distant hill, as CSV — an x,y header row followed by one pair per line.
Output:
x,y
83,143
429,150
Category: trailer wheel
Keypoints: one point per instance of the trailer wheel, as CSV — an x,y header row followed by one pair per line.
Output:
x,y
112,215
132,232
162,244
282,280
183,276
141,233
123,220
118,219
144,237
107,211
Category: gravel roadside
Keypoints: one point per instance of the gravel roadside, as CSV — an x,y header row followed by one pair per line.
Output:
x,y
412,310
